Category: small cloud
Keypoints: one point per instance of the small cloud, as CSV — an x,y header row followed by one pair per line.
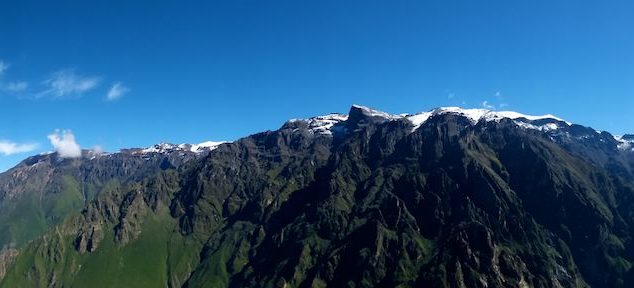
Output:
x,y
498,95
97,149
117,91
487,105
68,84
16,87
3,67
450,94
64,144
9,147
503,105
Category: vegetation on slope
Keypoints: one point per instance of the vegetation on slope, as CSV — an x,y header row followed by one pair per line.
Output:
x,y
448,205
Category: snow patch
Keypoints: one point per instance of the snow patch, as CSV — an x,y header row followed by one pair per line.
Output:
x,y
323,124
515,115
159,148
194,148
419,119
544,128
624,144
477,115
474,115
375,113
201,147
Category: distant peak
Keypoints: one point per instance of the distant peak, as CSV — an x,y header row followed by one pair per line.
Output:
x,y
628,137
360,115
369,112
321,124
477,114
625,142
474,114
185,147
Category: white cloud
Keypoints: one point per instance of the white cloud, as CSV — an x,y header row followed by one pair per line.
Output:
x,y
64,144
97,149
117,91
3,67
16,87
9,148
68,84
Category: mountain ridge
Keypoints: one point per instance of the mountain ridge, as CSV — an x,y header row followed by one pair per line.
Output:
x,y
323,124
456,198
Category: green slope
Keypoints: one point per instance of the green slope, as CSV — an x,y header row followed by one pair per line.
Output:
x,y
448,205
158,253
30,215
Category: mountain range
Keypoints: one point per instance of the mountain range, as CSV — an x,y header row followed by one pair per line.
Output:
x,y
451,197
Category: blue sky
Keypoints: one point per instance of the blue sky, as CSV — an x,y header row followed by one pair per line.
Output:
x,y
189,71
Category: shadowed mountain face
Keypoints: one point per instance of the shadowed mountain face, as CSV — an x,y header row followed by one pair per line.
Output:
x,y
446,198
44,189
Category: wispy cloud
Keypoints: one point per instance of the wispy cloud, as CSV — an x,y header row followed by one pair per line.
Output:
x,y
449,94
9,147
500,97
97,149
117,91
64,143
496,103
493,106
68,84
16,87
60,85
3,67
487,105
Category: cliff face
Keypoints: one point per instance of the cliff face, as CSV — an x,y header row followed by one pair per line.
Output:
x,y
43,190
7,256
365,200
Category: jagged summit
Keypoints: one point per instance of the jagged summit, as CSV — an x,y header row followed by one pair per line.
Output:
x,y
625,142
168,147
627,137
477,115
557,128
320,124
474,114
359,114
359,110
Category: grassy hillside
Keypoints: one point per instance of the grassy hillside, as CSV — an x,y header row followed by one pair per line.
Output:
x,y
158,252
30,215
447,205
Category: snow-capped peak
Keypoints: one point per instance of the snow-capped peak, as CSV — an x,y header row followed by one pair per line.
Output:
x,y
375,113
322,124
201,147
168,147
477,115
626,142
516,115
159,148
